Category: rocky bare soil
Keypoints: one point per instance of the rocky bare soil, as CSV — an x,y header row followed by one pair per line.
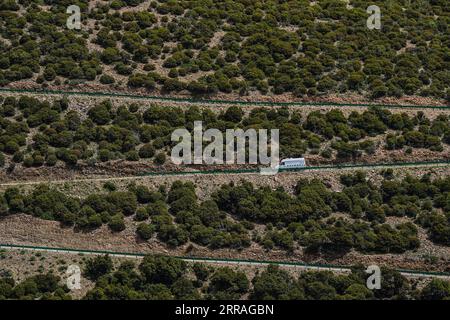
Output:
x,y
23,229
27,230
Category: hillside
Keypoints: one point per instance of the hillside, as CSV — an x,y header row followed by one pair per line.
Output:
x,y
299,49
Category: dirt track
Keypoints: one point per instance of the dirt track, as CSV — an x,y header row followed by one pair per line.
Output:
x,y
207,183
121,168
26,230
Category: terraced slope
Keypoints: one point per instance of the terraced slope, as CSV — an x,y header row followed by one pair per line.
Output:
x,y
396,218
240,47
158,277
76,136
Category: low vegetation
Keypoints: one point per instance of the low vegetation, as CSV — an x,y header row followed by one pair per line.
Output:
x,y
165,278
230,217
38,133
206,47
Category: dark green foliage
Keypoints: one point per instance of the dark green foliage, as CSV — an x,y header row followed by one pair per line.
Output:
x,y
272,47
227,284
110,186
146,151
166,278
117,223
275,284
201,271
97,267
101,114
436,290
49,204
112,133
160,269
145,231
227,219
160,158
37,287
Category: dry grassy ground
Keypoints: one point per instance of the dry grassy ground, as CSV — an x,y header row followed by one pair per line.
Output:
x,y
120,168
23,229
27,230
24,264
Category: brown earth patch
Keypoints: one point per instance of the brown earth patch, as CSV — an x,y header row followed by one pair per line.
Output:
x,y
27,230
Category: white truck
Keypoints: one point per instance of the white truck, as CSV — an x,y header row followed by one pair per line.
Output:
x,y
292,163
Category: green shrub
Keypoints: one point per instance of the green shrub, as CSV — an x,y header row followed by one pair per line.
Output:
x,y
145,231
160,158
117,223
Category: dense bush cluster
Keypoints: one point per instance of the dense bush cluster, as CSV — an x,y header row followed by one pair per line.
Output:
x,y
301,218
228,220
38,287
47,203
240,46
37,133
165,278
